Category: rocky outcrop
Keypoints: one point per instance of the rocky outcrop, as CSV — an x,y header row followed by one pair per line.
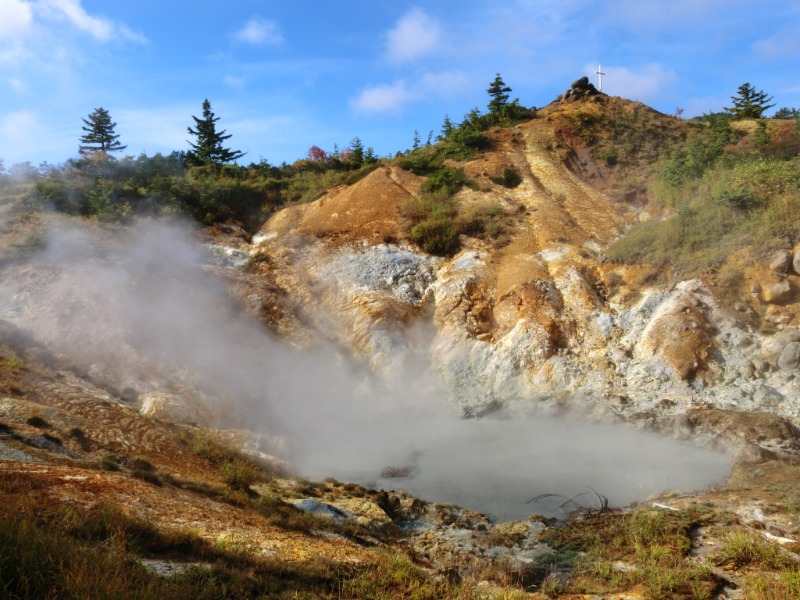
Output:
x,y
538,324
580,88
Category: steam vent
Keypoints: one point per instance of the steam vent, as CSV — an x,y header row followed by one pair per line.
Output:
x,y
554,353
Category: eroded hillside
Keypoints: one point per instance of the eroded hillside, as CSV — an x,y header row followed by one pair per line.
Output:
x,y
536,319
153,395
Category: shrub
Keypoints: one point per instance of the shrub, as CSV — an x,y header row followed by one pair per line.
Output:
x,y
38,422
510,179
446,179
109,463
740,199
239,475
436,235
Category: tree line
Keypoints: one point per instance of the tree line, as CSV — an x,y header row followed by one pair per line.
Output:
x,y
206,182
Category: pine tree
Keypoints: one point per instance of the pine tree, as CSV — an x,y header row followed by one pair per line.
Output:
x,y
209,148
447,128
356,153
748,103
498,91
100,136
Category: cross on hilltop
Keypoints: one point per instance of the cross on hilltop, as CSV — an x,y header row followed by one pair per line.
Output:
x,y
599,74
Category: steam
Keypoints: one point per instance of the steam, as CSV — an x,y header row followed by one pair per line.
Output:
x,y
140,308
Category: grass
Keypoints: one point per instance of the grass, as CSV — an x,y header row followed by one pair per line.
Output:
x,y
745,549
435,222
655,543
773,586
72,554
715,197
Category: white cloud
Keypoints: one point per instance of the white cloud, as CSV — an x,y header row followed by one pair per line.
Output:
x,y
645,84
234,82
260,32
658,14
414,35
782,46
17,126
394,97
161,129
16,18
17,85
99,28
388,98
22,135
446,84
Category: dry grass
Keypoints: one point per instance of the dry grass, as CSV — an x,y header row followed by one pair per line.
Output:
x,y
654,543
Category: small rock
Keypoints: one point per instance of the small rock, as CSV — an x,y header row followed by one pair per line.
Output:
x,y
768,397
748,371
789,360
796,263
322,509
779,262
176,408
777,293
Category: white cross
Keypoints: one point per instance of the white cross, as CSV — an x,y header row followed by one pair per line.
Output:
x,y
600,74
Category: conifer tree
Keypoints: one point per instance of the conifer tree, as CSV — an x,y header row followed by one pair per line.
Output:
x,y
749,103
209,148
498,91
100,136
356,153
447,128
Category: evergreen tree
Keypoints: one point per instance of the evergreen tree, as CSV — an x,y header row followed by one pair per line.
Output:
x,y
209,148
498,91
447,128
100,136
748,103
356,153
786,113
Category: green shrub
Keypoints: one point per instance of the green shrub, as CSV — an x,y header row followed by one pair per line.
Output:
x,y
445,179
239,475
109,463
740,199
436,235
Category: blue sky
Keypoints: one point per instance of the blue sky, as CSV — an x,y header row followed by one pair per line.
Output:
x,y
282,76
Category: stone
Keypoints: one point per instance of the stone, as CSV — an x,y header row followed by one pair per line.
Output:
x,y
322,509
779,262
580,84
777,293
175,408
796,262
789,360
761,365
767,397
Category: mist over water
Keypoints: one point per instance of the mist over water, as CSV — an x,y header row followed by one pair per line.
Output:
x,y
497,466
141,308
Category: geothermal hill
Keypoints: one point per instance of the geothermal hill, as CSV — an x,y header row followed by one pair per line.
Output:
x,y
536,319
148,448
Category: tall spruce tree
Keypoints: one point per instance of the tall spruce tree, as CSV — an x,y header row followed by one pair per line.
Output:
x,y
100,136
498,91
209,148
749,103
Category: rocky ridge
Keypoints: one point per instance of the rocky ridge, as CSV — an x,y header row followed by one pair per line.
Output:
x,y
539,323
